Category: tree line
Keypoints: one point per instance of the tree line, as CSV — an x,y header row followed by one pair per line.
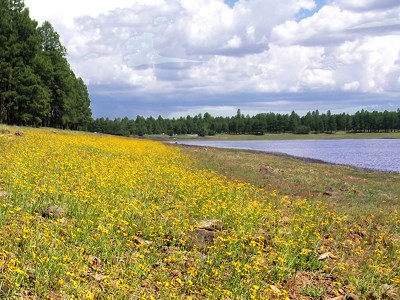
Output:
x,y
205,124
37,84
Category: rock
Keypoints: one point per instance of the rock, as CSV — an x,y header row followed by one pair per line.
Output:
x,y
142,242
261,237
329,193
31,274
265,170
177,273
205,233
359,193
53,211
350,296
4,131
275,289
326,255
5,287
389,291
211,225
94,262
52,295
19,133
202,238
98,277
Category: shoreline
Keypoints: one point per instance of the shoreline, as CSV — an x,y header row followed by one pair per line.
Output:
x,y
281,154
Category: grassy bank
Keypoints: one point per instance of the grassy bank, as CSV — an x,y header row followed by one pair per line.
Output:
x,y
280,136
344,188
99,217
365,200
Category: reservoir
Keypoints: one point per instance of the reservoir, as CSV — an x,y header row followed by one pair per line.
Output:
x,y
374,154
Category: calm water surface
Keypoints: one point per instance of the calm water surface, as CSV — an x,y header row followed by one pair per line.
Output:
x,y
375,154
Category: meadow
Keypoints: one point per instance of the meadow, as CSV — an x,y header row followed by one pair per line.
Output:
x,y
88,216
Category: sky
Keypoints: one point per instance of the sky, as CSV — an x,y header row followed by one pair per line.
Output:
x,y
183,57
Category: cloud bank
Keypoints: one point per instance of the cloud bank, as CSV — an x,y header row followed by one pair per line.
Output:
x,y
177,57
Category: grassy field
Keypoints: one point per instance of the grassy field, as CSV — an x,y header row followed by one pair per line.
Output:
x,y
339,186
366,200
281,136
87,216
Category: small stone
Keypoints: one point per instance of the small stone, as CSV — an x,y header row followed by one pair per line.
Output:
x,y
31,274
326,255
389,291
52,295
4,131
329,193
359,193
265,170
141,241
350,296
176,273
202,238
5,287
275,289
211,225
98,277
94,262
53,211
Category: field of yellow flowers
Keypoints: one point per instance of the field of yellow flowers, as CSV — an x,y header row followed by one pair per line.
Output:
x,y
86,216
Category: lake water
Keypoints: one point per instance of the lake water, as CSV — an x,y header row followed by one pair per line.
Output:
x,y
374,154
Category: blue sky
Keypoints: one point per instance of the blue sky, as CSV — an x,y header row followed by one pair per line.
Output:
x,y
180,57
231,3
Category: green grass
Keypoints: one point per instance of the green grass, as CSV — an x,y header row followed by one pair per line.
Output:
x,y
344,188
367,204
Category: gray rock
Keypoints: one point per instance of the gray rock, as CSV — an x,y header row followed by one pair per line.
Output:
x,y
53,211
266,170
202,238
350,296
211,225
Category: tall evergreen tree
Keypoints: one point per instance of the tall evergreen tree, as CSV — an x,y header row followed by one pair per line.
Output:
x,y
37,85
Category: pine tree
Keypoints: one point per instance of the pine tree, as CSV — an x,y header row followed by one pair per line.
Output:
x,y
37,85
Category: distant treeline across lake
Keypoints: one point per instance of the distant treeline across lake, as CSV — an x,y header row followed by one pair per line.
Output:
x,y
203,125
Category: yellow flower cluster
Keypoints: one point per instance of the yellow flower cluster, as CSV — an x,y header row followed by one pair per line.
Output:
x,y
102,217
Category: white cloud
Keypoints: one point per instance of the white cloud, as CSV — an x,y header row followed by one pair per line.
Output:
x,y
367,4
369,61
317,78
66,11
351,86
193,49
234,42
333,24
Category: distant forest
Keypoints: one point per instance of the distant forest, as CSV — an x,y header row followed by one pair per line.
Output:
x,y
37,85
202,125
